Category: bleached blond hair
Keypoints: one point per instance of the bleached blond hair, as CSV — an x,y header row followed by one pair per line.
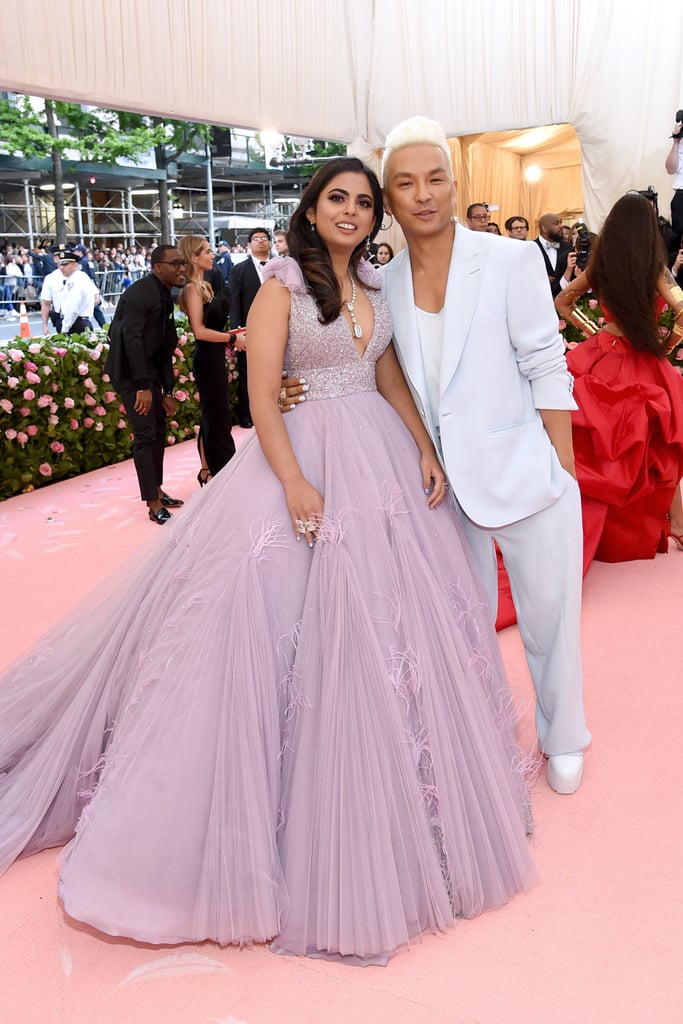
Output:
x,y
416,131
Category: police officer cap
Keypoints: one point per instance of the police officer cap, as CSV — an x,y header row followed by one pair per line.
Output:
x,y
67,255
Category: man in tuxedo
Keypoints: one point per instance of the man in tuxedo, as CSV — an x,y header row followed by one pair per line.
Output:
x,y
558,256
245,280
476,333
142,340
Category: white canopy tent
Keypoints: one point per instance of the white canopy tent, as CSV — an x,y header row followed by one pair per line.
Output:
x,y
350,69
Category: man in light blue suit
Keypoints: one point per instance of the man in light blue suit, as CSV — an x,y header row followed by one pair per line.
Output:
x,y
477,336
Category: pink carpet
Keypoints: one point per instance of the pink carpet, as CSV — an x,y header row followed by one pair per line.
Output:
x,y
600,941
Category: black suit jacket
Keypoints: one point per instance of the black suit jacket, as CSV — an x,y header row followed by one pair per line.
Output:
x,y
143,336
555,275
244,283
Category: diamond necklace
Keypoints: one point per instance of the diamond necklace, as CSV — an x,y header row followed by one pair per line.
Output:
x,y
357,329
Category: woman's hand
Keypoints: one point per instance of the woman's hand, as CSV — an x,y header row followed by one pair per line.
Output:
x,y
306,508
433,478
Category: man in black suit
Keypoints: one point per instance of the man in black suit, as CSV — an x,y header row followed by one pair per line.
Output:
x,y
559,257
142,340
245,281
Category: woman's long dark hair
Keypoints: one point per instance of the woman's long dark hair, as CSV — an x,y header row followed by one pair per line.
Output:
x,y
308,248
627,259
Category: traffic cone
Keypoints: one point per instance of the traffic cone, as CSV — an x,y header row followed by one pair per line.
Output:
x,y
24,326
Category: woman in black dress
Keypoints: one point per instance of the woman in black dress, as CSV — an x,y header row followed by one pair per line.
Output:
x,y
208,314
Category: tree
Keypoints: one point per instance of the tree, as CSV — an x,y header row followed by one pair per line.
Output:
x,y
170,140
55,130
51,129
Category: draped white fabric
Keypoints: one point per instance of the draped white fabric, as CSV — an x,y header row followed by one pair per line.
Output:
x,y
350,69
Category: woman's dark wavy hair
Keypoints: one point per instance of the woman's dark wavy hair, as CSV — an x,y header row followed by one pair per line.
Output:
x,y
627,259
308,248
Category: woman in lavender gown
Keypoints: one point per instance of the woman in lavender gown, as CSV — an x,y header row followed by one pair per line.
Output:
x,y
291,723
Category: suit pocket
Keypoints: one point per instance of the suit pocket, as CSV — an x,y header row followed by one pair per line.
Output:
x,y
509,427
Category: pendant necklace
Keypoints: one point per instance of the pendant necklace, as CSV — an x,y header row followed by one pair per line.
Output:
x,y
357,329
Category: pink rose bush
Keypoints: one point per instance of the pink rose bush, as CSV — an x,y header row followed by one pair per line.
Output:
x,y
60,415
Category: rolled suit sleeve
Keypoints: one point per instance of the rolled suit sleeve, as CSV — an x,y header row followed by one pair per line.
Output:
x,y
534,331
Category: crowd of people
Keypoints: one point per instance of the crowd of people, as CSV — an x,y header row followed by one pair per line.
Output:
x,y
301,695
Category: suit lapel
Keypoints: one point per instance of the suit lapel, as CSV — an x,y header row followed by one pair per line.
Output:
x,y
399,287
462,292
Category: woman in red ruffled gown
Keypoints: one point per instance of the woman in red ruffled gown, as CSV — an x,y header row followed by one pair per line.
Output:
x,y
628,430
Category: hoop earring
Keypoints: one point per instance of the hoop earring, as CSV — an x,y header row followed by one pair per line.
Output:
x,y
383,228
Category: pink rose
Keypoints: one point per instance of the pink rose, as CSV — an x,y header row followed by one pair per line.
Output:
x,y
592,303
46,371
97,351
99,426
182,380
88,422
44,401
61,352
53,407
53,420
10,434
16,355
12,382
57,446
28,365
32,430
45,469
182,396
182,339
109,396
173,424
55,389
99,411
679,354
29,395
106,378
24,411
562,324
6,405
121,425
89,400
34,348
69,403
89,384
3,356
32,377
573,344
170,439
73,424
83,369
22,438
601,321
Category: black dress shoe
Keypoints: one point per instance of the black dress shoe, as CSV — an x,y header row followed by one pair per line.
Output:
x,y
160,517
169,502
247,424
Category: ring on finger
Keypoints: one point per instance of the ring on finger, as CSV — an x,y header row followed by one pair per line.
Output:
x,y
301,526
283,397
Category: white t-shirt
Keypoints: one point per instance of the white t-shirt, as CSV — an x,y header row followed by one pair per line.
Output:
x,y
430,327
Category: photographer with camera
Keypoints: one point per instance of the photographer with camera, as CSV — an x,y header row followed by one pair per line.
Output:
x,y
674,165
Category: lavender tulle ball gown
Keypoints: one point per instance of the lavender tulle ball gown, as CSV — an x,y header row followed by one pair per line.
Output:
x,y
252,741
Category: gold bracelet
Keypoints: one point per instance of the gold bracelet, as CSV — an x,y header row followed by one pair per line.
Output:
x,y
677,330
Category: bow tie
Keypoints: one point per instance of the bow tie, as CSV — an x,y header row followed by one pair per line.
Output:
x,y
551,245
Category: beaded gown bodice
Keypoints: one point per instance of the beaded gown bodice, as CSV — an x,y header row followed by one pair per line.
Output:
x,y
327,354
